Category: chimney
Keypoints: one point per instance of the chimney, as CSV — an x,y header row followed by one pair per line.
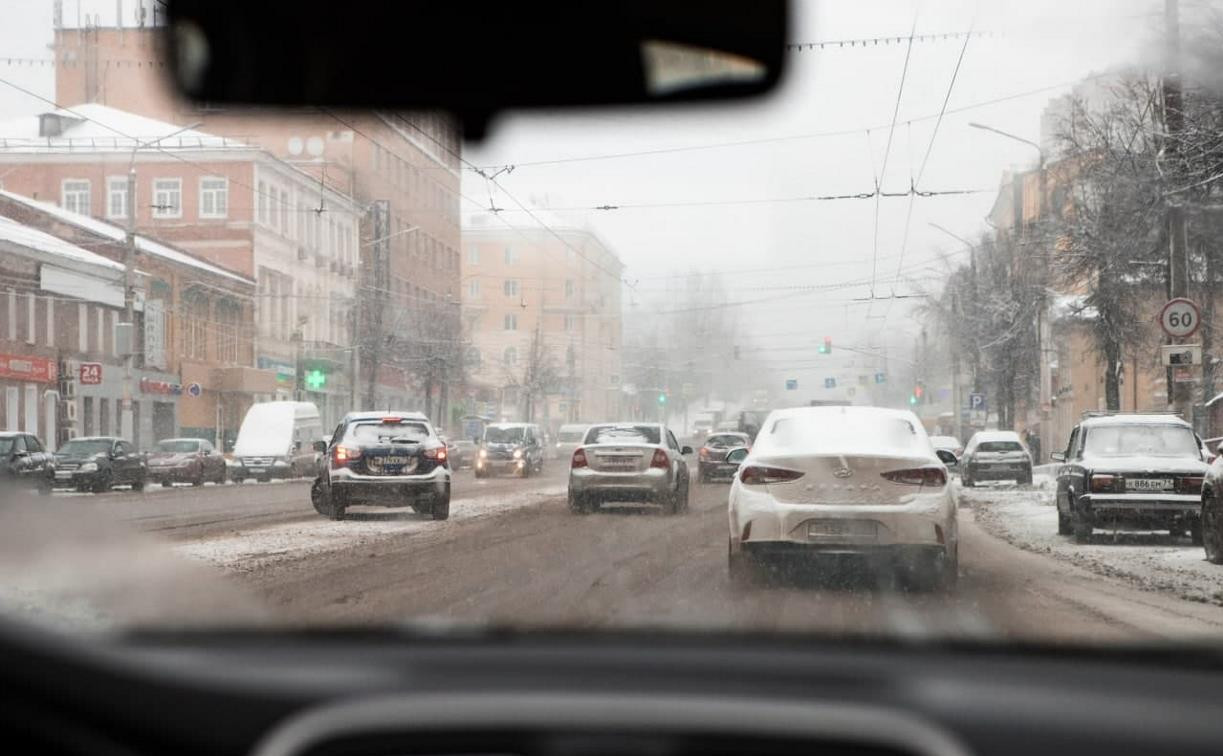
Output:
x,y
54,124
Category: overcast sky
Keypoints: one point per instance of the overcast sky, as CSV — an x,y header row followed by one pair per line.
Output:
x,y
1039,45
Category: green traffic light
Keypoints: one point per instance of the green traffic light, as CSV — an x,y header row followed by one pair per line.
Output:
x,y
912,399
662,398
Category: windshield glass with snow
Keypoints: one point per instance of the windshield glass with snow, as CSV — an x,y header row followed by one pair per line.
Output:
x,y
380,433
623,434
999,446
495,435
1141,441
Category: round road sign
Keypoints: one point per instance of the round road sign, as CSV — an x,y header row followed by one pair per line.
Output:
x,y
1180,318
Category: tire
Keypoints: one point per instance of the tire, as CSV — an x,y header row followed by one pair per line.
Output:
x,y
1195,532
199,479
671,503
323,503
103,483
1026,480
1080,524
138,484
223,477
440,509
966,481
741,570
44,487
166,483
479,473
1212,539
1063,523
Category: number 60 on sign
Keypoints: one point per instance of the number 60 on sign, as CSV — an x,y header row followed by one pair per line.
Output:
x,y
1180,318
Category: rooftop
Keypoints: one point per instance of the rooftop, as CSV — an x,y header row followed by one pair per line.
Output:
x,y
93,127
32,238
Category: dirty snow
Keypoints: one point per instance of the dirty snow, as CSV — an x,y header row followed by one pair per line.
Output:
x,y
1151,560
254,550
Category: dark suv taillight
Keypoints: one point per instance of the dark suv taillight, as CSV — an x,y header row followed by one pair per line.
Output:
x,y
342,455
1105,483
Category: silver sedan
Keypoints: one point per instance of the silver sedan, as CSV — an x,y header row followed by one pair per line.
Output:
x,y
629,462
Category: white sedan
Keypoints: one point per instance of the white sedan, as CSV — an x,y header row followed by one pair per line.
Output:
x,y
859,481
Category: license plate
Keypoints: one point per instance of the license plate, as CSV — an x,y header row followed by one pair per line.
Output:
x,y
620,464
391,460
1149,484
63,474
841,528
257,469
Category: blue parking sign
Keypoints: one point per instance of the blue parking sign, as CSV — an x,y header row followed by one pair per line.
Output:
x,y
791,384
830,383
881,377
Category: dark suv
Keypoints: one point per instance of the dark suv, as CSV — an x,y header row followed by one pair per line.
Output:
x,y
24,463
96,463
1144,471
387,459
516,448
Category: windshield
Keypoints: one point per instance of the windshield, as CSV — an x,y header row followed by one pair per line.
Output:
x,y
952,219
1142,441
380,433
85,447
623,434
180,446
494,435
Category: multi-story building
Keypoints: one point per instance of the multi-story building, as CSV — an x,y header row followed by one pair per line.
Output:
x,y
229,204
543,303
407,163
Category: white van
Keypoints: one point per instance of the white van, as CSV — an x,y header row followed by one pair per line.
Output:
x,y
276,440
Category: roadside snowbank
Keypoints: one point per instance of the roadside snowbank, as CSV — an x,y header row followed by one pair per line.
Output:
x,y
254,550
1151,560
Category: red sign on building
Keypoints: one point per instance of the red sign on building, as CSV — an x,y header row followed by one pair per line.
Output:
x,y
91,373
23,368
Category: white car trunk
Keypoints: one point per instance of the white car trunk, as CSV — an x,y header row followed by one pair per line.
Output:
x,y
620,457
839,479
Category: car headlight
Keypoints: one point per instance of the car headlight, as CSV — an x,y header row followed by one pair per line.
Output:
x,y
89,467
483,453
518,454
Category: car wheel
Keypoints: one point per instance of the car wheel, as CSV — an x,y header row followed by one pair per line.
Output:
x,y
166,483
199,479
966,481
741,569
1081,524
223,477
1177,531
479,473
1026,480
440,509
1212,540
138,484
1195,532
44,488
103,483
1063,523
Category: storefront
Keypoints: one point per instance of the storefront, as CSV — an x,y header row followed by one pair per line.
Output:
x,y
155,398
30,397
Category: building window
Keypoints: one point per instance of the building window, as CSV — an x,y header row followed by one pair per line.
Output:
x,y
116,197
214,197
511,256
473,254
511,322
227,332
168,198
195,328
511,287
76,195
473,289
510,357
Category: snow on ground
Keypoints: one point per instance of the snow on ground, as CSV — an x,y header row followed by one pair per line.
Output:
x,y
253,550
1151,560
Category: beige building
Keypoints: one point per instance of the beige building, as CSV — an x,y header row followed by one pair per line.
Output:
x,y
541,312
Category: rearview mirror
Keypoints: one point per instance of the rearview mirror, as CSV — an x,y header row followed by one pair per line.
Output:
x,y
947,457
686,450
736,456
547,54
1058,457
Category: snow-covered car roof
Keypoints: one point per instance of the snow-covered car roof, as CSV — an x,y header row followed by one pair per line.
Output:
x,y
877,431
1135,419
378,415
999,435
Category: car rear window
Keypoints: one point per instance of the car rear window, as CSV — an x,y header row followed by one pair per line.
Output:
x,y
494,435
840,431
999,446
623,434
726,441
377,432
178,447
1142,440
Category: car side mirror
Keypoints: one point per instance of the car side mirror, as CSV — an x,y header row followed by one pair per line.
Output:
x,y
686,450
320,446
736,456
1058,456
947,457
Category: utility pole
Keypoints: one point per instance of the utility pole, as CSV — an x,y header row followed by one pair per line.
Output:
x,y
129,295
377,281
1178,247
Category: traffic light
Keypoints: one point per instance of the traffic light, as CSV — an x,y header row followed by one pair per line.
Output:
x,y
827,347
662,398
316,380
912,399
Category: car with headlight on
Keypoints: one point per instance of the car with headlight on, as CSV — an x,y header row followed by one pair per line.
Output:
x,y
711,457
1130,470
186,460
515,448
859,483
95,463
385,459
994,456
639,463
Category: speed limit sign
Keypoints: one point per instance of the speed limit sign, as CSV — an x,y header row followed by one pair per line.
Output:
x,y
1180,318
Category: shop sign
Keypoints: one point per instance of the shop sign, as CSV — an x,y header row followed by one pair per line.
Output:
x,y
91,373
151,386
285,373
25,368
155,333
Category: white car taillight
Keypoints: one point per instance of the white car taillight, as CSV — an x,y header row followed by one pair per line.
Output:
x,y
759,475
579,459
935,477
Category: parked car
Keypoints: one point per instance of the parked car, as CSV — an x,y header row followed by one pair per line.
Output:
x,y
568,439
629,462
995,455
1212,504
25,463
463,451
950,443
186,460
516,448
1139,470
276,440
711,456
95,463
386,459
849,481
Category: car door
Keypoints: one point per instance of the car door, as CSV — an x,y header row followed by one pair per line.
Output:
x,y
127,462
39,457
211,461
1062,473
678,463
19,458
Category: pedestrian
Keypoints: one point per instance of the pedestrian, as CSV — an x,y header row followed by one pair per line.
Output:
x,y
1033,442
